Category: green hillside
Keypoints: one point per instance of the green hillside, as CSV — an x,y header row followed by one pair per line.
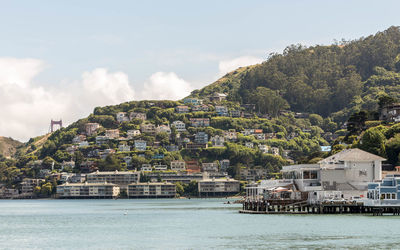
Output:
x,y
334,81
275,113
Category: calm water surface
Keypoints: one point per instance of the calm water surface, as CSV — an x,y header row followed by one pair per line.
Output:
x,y
181,224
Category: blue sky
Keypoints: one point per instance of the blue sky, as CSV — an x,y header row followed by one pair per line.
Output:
x,y
142,45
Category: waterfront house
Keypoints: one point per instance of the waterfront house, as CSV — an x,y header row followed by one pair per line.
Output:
x,y
91,128
88,190
152,190
28,185
218,187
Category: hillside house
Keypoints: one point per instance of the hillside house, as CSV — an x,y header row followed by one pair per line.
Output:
x,y
274,150
390,113
179,126
209,167
178,165
172,148
200,122
140,145
132,133
221,110
182,109
148,128
192,101
201,137
123,147
163,129
79,138
201,107
263,148
122,117
146,167
138,115
91,128
249,144
260,137
112,133
218,97
235,113
83,144
217,141
160,167
225,164
269,136
196,146
192,166
230,135
100,139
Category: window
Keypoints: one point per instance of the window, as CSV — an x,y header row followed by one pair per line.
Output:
x,y
393,196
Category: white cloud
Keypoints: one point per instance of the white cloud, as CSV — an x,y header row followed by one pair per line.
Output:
x,y
165,86
227,66
26,108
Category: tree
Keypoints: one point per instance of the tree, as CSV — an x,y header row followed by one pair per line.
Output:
x,y
110,163
316,120
373,141
180,190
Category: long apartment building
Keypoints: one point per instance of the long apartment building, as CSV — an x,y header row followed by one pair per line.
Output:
x,y
152,190
88,190
120,178
218,187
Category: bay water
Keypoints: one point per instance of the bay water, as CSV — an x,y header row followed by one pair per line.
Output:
x,y
182,224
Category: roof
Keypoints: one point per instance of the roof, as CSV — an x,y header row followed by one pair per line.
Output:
x,y
86,184
353,154
151,183
112,172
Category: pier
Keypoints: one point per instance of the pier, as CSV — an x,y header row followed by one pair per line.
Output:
x,y
304,207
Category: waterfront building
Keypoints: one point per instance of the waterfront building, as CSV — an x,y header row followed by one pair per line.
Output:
x,y
385,192
218,187
120,178
28,185
88,190
8,193
152,190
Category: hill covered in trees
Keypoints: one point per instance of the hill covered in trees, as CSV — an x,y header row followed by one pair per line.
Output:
x,y
332,81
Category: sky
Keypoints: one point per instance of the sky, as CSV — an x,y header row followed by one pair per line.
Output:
x,y
61,59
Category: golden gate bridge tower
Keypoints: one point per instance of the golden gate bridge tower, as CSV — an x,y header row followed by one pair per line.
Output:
x,y
54,124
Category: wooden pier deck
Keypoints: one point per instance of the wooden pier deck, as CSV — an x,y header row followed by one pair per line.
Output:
x,y
303,207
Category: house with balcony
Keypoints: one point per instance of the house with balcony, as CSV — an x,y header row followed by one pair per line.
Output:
x,y
263,148
192,101
146,168
78,139
385,192
218,187
201,137
163,129
390,113
209,167
123,147
100,139
221,110
88,190
249,144
122,117
132,133
181,109
218,97
230,135
152,190
179,126
202,107
235,113
140,145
